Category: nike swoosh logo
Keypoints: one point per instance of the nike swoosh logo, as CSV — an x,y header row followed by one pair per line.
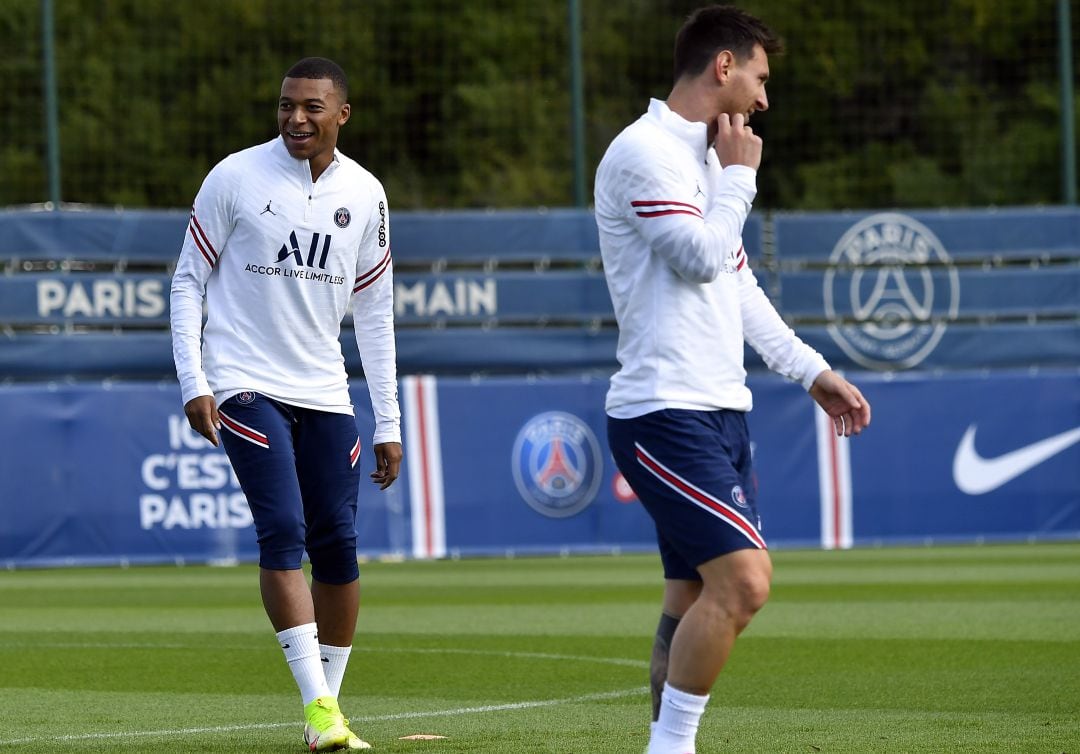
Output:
x,y
976,475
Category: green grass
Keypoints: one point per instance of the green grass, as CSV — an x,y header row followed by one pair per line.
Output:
x,y
957,649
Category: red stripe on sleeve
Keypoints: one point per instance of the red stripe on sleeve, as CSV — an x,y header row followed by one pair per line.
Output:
x,y
642,203
372,275
661,213
198,243
202,234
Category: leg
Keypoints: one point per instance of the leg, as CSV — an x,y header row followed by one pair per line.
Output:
x,y
692,472
327,451
336,609
736,586
286,598
258,437
679,595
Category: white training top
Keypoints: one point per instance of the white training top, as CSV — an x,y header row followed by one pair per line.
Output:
x,y
277,258
670,220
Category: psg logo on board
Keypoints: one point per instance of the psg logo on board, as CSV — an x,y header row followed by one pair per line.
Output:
x,y
557,464
342,217
890,292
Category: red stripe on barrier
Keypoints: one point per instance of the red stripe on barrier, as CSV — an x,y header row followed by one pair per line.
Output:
x,y
834,461
421,420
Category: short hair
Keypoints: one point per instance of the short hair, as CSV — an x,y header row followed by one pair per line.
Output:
x,y
321,68
715,28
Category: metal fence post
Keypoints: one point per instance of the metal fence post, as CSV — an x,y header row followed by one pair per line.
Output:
x,y
52,127
1068,110
577,102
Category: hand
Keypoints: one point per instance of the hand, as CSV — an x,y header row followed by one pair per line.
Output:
x,y
736,143
387,464
842,401
202,415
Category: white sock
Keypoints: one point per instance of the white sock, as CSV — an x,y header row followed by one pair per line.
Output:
x,y
301,647
334,662
676,730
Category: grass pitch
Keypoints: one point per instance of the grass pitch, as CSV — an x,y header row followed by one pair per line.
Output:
x,y
951,649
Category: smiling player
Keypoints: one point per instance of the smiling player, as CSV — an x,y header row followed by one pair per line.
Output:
x,y
284,237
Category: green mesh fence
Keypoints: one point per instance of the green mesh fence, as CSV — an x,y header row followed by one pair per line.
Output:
x,y
467,103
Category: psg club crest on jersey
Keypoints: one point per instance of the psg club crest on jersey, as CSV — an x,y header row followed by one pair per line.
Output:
x,y
557,464
342,217
245,397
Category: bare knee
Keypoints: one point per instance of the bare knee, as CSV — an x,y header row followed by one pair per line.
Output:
x,y
749,594
740,586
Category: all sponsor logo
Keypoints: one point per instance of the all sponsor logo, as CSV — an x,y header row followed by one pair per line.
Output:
x,y
291,261
891,290
557,464
291,248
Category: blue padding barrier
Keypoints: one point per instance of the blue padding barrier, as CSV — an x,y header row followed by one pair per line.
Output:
x,y
466,236
900,278
56,298
420,299
965,234
148,355
980,292
113,474
948,346
467,350
503,296
504,235
130,355
133,235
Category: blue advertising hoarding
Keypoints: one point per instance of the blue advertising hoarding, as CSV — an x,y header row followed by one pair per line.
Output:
x,y
110,473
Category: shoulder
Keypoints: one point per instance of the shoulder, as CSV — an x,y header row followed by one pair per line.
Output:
x,y
640,143
364,181
231,170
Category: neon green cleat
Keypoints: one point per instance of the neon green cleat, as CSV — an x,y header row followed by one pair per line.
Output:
x,y
325,728
355,742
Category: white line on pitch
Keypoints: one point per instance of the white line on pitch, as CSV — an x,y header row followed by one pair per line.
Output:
x,y
510,653
404,650
366,719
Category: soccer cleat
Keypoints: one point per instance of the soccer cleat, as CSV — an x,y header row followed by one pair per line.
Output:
x,y
325,727
355,742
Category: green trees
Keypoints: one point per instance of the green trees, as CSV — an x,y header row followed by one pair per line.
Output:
x,y
466,104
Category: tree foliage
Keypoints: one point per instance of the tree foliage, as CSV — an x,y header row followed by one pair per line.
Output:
x,y
467,104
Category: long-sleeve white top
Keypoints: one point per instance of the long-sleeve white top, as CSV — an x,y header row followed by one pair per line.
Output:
x,y
670,219
277,259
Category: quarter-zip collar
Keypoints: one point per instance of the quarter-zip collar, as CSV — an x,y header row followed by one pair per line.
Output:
x,y
310,187
281,152
693,134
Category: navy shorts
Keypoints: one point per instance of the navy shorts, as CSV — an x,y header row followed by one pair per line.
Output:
x,y
693,473
298,469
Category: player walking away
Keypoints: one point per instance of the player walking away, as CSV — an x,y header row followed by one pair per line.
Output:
x,y
672,194
282,237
